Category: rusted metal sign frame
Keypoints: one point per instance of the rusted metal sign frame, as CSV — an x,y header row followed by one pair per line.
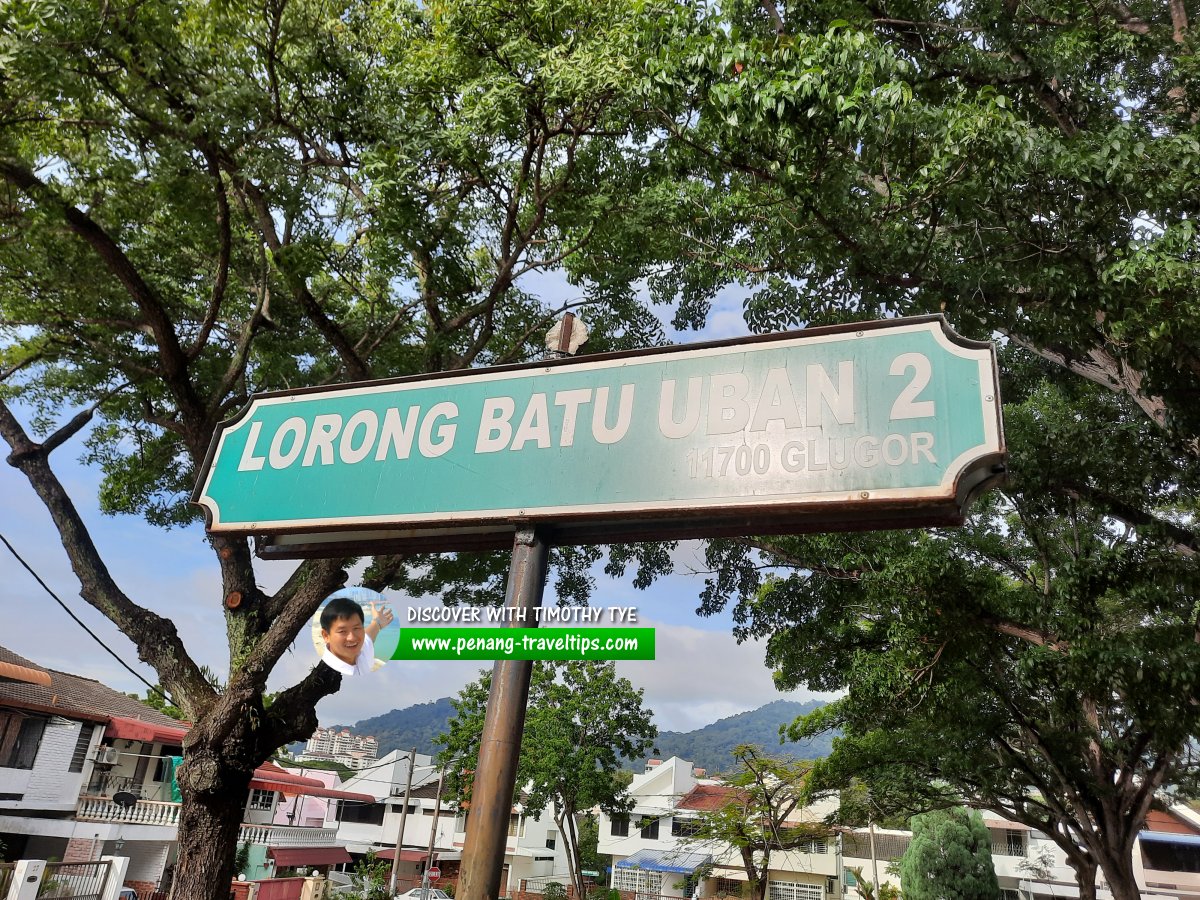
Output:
x,y
679,519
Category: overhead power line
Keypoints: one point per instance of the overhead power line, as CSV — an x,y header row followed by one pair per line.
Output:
x,y
83,625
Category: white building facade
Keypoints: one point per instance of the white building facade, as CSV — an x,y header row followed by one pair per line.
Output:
x,y
534,849
654,857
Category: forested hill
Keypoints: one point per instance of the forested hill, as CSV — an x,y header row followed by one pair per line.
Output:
x,y
708,747
711,747
413,726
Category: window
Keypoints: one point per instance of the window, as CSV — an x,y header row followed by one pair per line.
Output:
x,y
848,878
1015,841
813,847
729,887
793,890
81,747
550,843
162,767
619,826
650,829
1009,894
646,884
258,799
361,813
514,824
681,827
20,738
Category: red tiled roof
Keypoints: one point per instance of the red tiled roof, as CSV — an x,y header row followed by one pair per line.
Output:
x,y
709,797
139,730
71,695
1158,820
270,777
13,672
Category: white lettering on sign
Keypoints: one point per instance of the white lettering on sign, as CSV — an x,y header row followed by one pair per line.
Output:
x,y
369,423
813,455
600,430
445,433
495,430
735,404
495,423
570,401
720,404
249,462
328,441
667,424
397,434
294,428
907,406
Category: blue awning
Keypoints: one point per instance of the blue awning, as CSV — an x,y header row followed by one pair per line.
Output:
x,y
666,861
1167,837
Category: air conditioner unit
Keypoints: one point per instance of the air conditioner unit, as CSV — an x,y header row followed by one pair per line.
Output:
x,y
108,756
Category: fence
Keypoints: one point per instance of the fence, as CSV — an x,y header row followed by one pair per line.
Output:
x,y
537,884
75,881
535,888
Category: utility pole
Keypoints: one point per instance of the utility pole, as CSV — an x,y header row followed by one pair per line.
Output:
x,y
437,808
874,863
412,761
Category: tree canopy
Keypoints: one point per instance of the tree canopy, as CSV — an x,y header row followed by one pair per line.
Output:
x,y
762,818
1025,167
203,201
950,858
1039,661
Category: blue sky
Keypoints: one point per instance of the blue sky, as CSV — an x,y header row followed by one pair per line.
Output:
x,y
701,674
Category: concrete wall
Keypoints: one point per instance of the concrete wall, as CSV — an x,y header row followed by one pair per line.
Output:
x,y
48,785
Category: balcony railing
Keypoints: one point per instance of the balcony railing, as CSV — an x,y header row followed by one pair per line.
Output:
x,y
1003,848
153,812
143,812
287,836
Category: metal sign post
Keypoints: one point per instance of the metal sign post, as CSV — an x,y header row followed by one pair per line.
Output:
x,y
500,745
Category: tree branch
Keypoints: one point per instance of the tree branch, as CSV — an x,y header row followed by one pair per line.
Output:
x,y
172,360
155,637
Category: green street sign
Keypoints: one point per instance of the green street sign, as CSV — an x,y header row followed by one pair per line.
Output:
x,y
880,424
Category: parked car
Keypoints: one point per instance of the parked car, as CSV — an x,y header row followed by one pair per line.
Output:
x,y
415,894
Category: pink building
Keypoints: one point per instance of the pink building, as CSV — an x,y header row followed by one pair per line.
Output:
x,y
301,809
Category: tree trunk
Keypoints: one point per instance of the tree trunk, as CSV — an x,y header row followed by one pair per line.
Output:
x,y
209,821
567,828
1118,871
1085,871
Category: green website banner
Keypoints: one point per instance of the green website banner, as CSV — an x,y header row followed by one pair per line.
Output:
x,y
525,643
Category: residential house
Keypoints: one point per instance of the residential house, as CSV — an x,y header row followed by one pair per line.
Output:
x,y
306,809
1030,866
534,848
655,854
86,771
